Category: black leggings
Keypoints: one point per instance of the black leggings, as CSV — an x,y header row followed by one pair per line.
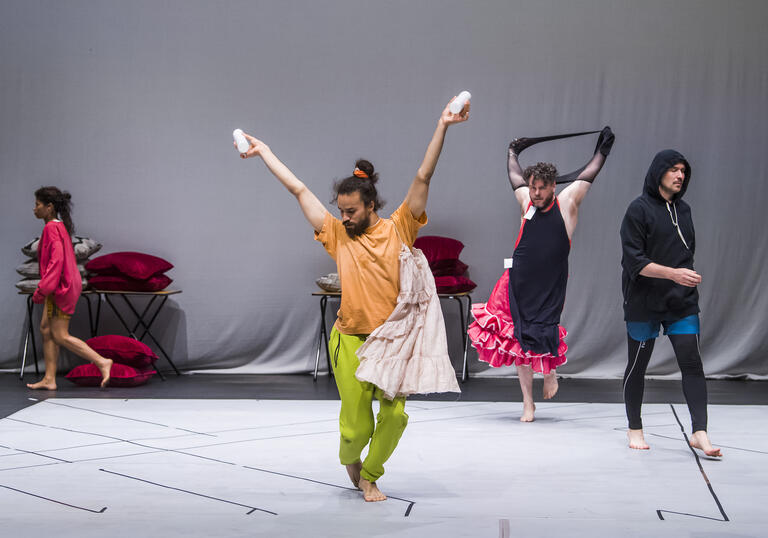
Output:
x,y
686,348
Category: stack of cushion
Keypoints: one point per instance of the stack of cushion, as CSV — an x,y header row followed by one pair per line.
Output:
x,y
30,269
128,271
442,253
133,362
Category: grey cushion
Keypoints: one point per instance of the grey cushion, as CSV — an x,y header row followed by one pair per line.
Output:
x,y
84,247
31,269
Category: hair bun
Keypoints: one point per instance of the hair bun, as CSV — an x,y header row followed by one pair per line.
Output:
x,y
367,167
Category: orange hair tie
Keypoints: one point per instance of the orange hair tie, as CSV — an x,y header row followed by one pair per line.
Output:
x,y
360,173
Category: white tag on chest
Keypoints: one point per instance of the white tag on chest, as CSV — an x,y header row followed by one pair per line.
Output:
x,y
529,214
507,263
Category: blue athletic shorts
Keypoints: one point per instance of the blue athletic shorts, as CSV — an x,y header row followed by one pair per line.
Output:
x,y
648,330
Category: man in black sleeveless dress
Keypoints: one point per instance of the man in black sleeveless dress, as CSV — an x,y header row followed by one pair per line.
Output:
x,y
539,273
520,323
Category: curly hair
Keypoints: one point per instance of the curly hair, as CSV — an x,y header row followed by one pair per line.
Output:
x,y
545,172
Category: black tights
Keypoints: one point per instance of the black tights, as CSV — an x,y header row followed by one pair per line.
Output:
x,y
686,348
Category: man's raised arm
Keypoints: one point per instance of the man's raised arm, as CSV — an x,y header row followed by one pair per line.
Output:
x,y
515,173
313,209
574,193
416,199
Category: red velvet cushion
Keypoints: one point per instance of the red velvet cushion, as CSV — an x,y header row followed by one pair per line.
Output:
x,y
131,264
121,283
123,350
448,267
88,375
453,284
439,248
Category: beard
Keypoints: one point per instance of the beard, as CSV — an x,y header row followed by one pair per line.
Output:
x,y
356,230
544,203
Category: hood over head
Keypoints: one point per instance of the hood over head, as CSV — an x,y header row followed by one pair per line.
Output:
x,y
663,161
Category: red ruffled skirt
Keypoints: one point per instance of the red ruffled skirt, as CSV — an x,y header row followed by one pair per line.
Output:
x,y
493,334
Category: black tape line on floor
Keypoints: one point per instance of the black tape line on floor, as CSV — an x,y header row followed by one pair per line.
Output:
x,y
154,448
251,508
42,452
703,474
624,416
276,425
721,446
30,466
497,413
661,517
158,449
22,451
126,418
176,451
407,511
54,500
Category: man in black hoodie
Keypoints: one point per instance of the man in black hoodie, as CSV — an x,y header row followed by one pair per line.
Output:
x,y
658,242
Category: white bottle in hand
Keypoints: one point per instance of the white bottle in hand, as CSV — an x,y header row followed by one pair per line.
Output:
x,y
240,140
458,104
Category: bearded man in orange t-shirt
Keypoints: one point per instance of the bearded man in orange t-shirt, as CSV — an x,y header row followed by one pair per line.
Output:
x,y
366,249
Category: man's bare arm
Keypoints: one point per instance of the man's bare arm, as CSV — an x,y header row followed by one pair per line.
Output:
x,y
416,199
313,209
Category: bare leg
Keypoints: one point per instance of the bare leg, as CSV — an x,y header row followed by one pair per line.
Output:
x,y
700,440
353,471
550,385
525,374
60,332
371,492
636,440
50,355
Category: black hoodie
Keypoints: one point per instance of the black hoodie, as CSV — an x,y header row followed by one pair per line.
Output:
x,y
648,234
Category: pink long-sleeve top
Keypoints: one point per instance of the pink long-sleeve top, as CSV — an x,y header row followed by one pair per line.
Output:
x,y
59,276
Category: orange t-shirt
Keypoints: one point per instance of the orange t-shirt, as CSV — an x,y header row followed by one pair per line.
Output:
x,y
369,267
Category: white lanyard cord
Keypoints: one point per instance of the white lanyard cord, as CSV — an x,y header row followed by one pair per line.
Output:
x,y
675,221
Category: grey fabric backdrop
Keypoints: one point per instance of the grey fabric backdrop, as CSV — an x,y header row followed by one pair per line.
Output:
x,y
131,105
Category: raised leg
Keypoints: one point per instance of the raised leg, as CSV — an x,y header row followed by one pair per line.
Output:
x,y
60,335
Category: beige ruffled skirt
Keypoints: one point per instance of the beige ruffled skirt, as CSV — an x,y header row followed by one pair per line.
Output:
x,y
408,353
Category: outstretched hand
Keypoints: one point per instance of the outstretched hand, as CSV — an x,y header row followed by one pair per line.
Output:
x,y
519,144
449,118
255,149
605,141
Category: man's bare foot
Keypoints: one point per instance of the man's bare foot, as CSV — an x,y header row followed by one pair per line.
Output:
x,y
104,366
700,440
43,384
528,410
636,440
371,492
353,471
550,385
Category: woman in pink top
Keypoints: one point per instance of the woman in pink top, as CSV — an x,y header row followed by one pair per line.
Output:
x,y
60,286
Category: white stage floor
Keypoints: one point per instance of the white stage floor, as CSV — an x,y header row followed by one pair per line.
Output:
x,y
87,467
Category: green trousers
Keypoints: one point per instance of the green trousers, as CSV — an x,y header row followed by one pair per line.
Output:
x,y
356,418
